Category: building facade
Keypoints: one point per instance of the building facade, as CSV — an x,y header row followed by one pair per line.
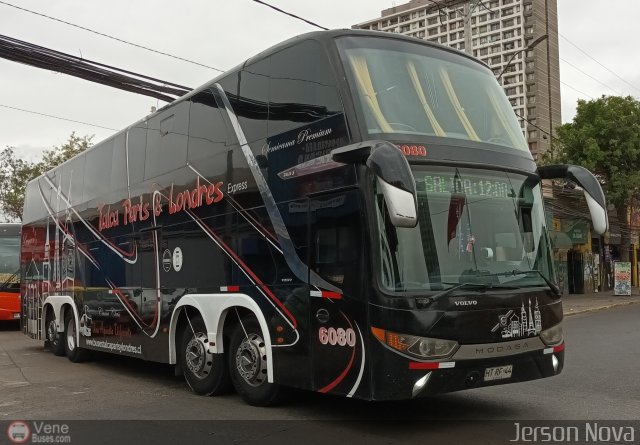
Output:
x,y
509,36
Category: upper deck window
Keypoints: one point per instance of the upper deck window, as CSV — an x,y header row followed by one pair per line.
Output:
x,y
414,89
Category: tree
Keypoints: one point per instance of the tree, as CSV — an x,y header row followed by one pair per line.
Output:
x,y
604,137
15,172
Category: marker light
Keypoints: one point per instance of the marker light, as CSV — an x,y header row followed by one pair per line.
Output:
x,y
414,346
552,336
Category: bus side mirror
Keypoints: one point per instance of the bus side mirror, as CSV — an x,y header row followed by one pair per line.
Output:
x,y
592,191
393,174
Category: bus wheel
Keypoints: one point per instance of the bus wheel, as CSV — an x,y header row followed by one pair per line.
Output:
x,y
54,338
205,372
248,365
74,353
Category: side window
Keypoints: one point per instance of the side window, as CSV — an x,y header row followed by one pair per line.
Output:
x,y
253,100
97,173
136,144
119,164
302,88
207,129
167,140
336,233
34,209
73,181
248,93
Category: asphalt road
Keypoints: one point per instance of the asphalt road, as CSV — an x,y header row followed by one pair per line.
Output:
x,y
600,381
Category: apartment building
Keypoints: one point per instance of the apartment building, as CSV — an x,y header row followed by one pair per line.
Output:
x,y
509,36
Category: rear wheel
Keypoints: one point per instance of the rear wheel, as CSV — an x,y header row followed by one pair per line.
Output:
x,y
248,365
74,353
204,371
54,339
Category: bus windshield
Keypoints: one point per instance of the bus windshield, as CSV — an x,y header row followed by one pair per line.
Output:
x,y
416,89
484,227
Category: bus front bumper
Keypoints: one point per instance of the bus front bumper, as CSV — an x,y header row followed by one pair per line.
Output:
x,y
423,379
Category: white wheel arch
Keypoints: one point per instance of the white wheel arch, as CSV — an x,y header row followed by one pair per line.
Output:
x,y
214,309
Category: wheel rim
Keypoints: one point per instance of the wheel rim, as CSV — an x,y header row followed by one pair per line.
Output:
x,y
251,360
71,335
198,358
52,331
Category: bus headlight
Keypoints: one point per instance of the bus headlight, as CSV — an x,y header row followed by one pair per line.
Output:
x,y
552,336
414,346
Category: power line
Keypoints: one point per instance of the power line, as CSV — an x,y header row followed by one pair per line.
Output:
x,y
589,75
56,117
575,89
595,60
110,36
534,125
290,15
41,57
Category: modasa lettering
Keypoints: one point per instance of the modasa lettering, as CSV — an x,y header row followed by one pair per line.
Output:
x,y
192,199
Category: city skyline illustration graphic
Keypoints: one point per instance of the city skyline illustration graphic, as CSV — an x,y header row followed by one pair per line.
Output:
x,y
527,324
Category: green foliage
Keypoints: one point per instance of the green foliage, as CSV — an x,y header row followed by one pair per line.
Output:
x,y
15,172
604,137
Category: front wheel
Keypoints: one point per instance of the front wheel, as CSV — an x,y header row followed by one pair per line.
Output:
x,y
248,365
74,352
205,372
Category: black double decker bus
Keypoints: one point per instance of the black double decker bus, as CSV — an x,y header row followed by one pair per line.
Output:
x,y
348,212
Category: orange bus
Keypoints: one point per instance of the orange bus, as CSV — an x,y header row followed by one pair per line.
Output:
x,y
9,272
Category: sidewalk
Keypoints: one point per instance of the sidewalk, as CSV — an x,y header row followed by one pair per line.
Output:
x,y
580,303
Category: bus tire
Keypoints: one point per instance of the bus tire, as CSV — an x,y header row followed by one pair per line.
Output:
x,y
54,339
75,353
206,373
248,365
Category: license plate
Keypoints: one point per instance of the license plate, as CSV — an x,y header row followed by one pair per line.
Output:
x,y
16,315
498,373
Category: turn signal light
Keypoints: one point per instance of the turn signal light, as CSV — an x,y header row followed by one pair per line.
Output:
x,y
414,346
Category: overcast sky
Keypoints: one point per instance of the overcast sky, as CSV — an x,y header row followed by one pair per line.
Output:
x,y
224,33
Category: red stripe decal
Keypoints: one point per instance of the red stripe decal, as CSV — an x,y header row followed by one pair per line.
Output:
x,y
423,365
250,272
331,295
341,377
559,348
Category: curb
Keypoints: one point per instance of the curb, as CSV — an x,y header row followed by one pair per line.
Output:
x,y
599,308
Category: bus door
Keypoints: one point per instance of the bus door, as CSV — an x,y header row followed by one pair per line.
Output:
x,y
337,313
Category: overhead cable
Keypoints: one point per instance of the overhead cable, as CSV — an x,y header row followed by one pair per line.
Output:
x,y
599,63
41,57
84,28
56,117
291,15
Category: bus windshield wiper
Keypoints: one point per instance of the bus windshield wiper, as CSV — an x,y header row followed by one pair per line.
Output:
x,y
547,281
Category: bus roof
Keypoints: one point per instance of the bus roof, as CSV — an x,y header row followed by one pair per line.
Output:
x,y
325,38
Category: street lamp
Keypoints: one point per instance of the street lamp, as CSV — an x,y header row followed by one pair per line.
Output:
x,y
528,47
